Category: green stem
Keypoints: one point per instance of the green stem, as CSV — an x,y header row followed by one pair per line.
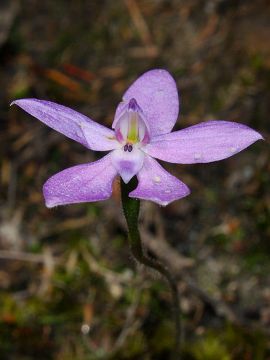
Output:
x,y
131,209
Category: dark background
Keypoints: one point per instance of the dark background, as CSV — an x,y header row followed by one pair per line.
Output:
x,y
69,287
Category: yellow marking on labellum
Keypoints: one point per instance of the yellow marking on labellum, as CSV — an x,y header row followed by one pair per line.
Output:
x,y
157,179
133,130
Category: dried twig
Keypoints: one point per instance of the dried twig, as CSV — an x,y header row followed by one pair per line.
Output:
x,y
114,281
219,306
178,263
166,253
148,49
21,256
131,324
139,22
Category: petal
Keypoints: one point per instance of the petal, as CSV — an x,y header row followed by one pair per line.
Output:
x,y
127,163
71,123
157,185
156,93
81,183
206,142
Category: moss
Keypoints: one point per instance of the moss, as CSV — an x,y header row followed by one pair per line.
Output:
x,y
229,343
210,348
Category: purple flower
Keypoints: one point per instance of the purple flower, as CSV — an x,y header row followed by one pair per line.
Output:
x,y
141,132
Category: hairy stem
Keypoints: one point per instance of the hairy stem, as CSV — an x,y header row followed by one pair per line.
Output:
x,y
131,209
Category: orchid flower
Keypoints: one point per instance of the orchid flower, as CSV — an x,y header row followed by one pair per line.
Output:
x,y
141,133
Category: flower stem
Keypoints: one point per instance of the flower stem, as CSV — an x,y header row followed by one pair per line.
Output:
x,y
131,209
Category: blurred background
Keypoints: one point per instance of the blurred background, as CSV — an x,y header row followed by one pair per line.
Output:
x,y
69,288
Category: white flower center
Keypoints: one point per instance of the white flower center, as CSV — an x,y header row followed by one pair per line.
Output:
x,y
131,128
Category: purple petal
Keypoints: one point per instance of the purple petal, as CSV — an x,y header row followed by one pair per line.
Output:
x,y
127,163
81,183
206,142
157,185
156,93
71,123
